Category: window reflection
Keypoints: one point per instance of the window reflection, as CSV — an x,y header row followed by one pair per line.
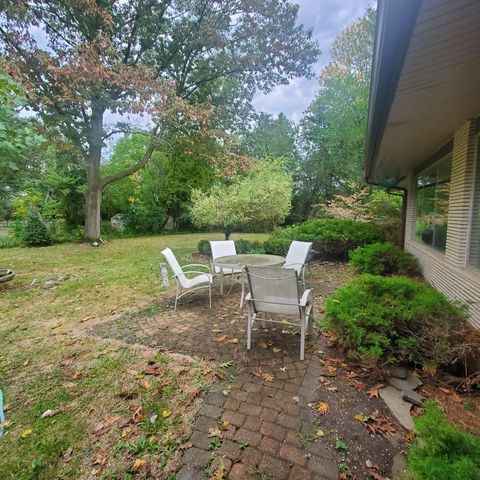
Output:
x,y
433,188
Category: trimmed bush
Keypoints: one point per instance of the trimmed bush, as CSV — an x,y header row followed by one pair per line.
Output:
x,y
241,246
246,246
389,319
34,231
204,247
445,452
331,237
383,259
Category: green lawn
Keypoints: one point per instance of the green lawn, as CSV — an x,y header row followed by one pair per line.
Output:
x,y
49,362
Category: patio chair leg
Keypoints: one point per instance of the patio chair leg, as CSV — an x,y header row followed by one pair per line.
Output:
x,y
249,328
210,294
302,339
243,294
176,300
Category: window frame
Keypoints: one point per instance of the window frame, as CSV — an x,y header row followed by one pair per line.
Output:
x,y
417,174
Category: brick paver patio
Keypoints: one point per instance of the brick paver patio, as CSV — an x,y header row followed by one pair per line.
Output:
x,y
270,426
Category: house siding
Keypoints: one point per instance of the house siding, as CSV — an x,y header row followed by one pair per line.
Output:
x,y
448,272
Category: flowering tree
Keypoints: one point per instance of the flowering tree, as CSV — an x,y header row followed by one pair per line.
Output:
x,y
262,198
170,59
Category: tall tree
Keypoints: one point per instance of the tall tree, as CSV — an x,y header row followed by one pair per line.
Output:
x,y
274,137
262,198
158,57
334,126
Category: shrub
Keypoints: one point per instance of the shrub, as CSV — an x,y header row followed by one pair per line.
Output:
x,y
204,247
34,231
383,259
445,452
391,319
241,246
331,237
246,246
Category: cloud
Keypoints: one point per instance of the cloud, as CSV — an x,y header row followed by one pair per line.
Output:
x,y
326,18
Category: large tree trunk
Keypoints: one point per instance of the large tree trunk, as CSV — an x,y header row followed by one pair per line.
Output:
x,y
92,211
93,205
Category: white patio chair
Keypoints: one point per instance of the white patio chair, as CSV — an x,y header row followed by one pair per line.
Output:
x,y
297,257
184,284
277,290
221,248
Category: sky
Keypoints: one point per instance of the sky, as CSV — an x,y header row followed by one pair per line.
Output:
x,y
326,18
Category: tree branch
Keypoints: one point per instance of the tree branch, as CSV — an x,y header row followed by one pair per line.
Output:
x,y
135,167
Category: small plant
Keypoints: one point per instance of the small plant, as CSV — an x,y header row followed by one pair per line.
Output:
x,y
383,259
215,444
244,445
343,467
340,445
246,246
204,247
34,231
445,452
391,319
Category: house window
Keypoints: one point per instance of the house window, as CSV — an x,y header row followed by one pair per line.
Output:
x,y
433,187
474,259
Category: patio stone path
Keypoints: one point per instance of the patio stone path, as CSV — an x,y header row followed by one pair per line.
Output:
x,y
271,429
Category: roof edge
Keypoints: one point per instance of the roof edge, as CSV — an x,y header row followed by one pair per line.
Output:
x,y
393,31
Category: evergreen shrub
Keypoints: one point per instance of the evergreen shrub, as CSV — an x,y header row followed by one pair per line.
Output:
x,y
392,319
383,259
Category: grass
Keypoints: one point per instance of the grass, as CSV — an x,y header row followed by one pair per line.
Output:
x,y
445,452
48,361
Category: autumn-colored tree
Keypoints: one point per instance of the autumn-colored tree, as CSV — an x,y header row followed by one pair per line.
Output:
x,y
82,61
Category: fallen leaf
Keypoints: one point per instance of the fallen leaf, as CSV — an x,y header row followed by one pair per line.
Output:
x,y
214,432
276,350
360,418
370,464
105,426
409,436
145,384
283,369
332,389
26,433
268,377
126,432
224,425
216,330
219,473
153,418
56,325
296,398
25,363
322,408
320,433
66,456
373,393
233,340
166,413
69,384
154,371
7,407
358,385
138,464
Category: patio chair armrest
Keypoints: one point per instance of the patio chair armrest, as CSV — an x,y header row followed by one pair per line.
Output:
x,y
201,265
191,271
306,297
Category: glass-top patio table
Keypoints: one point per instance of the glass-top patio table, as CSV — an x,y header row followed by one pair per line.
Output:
x,y
249,260
243,260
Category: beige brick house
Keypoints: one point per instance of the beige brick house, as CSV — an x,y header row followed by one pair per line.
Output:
x,y
423,135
